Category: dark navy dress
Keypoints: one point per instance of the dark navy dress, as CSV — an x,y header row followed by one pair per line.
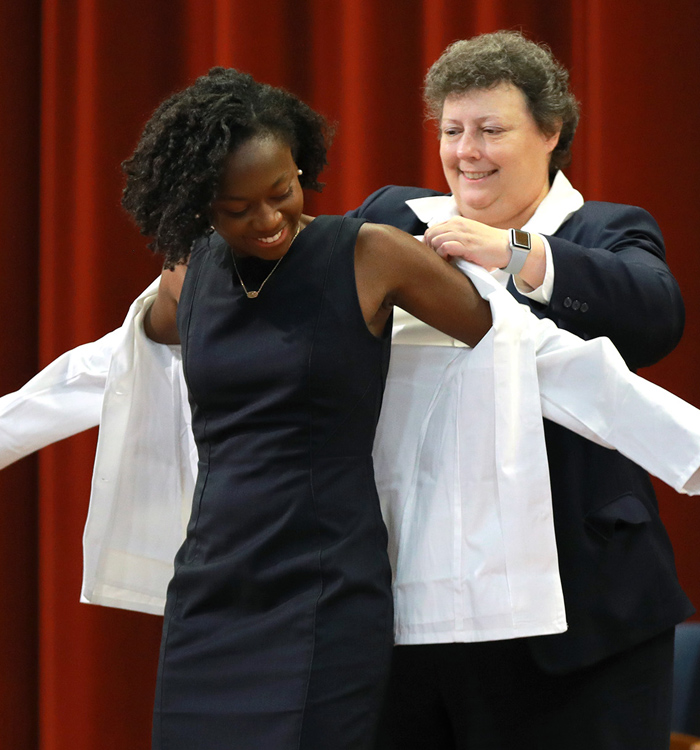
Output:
x,y
278,623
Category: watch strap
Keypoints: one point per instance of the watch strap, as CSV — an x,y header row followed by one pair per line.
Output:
x,y
520,244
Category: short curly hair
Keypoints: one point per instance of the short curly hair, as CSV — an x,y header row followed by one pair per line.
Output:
x,y
488,60
172,176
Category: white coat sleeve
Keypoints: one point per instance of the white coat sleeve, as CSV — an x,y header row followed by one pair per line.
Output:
x,y
66,397
586,387
63,399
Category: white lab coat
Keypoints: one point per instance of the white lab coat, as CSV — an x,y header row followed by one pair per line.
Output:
x,y
486,567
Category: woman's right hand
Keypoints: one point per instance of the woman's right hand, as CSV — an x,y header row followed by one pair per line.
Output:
x,y
486,246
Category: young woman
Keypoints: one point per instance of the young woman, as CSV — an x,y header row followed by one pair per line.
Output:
x,y
278,625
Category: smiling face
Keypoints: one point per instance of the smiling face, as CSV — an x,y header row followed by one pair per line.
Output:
x,y
259,200
495,157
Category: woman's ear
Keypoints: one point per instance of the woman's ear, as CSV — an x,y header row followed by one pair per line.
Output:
x,y
551,139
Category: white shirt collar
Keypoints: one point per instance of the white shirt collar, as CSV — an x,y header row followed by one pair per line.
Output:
x,y
561,201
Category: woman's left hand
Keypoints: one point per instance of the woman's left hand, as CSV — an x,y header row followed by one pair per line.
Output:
x,y
486,246
465,238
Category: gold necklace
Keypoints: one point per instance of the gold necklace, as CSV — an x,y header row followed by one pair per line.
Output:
x,y
253,294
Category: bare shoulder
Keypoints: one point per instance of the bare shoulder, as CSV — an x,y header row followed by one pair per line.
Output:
x,y
384,238
380,245
398,254
399,270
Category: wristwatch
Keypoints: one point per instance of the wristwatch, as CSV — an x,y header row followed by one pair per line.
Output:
x,y
520,245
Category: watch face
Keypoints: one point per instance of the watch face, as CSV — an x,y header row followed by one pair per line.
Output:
x,y
520,238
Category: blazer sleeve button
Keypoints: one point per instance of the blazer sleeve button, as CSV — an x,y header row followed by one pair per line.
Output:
x,y
575,305
584,306
567,301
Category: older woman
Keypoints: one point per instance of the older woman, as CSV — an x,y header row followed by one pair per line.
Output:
x,y
506,121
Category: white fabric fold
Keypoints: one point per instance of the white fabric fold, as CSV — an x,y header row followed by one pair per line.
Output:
x,y
144,472
461,466
461,470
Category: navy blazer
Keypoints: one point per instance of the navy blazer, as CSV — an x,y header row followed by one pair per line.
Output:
x,y
615,558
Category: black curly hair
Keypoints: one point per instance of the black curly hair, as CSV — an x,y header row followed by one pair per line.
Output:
x,y
172,176
488,60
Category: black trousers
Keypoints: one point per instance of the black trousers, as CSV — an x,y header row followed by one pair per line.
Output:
x,y
472,696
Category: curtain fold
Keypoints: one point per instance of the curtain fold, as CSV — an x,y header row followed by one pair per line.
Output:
x,y
19,207
79,80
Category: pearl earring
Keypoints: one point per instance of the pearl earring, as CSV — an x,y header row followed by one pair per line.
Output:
x,y
300,172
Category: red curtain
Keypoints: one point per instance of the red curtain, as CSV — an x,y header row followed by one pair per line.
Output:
x,y
78,80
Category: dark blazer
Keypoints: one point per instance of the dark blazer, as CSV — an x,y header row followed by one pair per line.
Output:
x,y
615,558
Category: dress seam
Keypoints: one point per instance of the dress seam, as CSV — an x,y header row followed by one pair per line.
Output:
x,y
185,368
311,483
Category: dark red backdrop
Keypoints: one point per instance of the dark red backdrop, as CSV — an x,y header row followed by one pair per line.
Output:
x,y
78,78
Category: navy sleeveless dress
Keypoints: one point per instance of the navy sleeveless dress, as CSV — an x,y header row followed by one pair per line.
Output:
x,y
278,623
